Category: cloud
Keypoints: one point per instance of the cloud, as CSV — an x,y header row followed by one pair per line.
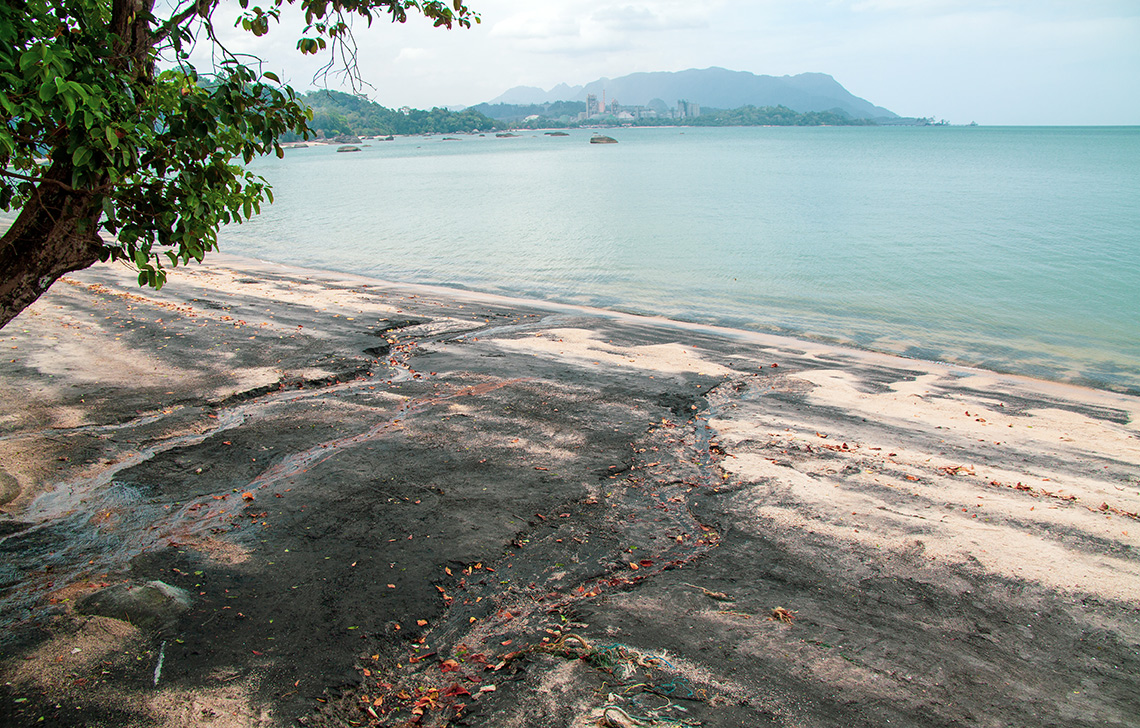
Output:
x,y
545,33
1003,61
929,7
587,26
415,55
660,16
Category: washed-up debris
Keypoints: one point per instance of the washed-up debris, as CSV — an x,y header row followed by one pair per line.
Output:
x,y
719,596
779,614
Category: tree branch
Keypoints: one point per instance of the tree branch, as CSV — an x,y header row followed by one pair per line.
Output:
x,y
39,180
197,7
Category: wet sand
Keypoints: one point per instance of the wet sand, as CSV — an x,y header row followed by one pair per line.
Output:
x,y
396,505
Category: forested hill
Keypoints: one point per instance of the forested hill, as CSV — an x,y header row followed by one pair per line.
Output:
x,y
340,114
558,110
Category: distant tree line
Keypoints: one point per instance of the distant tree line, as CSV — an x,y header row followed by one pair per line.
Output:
x,y
564,114
339,114
551,110
771,116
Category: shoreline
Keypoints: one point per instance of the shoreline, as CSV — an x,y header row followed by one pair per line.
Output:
x,y
378,498
817,344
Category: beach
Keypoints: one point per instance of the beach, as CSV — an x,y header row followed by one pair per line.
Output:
x,y
270,495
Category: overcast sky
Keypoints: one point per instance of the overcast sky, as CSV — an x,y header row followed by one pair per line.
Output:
x,y
990,61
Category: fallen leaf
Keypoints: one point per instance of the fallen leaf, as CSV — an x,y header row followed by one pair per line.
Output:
x,y
449,666
455,690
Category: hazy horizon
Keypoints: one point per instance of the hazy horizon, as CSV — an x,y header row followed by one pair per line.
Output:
x,y
996,62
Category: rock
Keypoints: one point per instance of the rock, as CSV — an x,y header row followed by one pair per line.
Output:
x,y
600,139
154,605
9,487
506,135
555,133
348,148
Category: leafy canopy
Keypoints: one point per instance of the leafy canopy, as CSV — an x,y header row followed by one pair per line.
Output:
x,y
87,106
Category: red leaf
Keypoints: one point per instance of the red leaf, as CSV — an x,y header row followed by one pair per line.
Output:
x,y
449,666
455,690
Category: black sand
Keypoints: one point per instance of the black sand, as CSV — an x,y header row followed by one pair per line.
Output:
x,y
385,502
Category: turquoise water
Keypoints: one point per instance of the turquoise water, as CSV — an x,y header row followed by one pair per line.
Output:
x,y
1015,249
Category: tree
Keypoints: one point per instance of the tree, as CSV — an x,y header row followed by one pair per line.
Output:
x,y
106,127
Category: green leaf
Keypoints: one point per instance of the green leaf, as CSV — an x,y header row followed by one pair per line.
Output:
x,y
81,156
29,58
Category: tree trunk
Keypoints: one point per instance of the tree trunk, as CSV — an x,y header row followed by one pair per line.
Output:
x,y
57,229
54,234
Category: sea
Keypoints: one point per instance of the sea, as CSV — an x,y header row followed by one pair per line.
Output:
x,y
1005,248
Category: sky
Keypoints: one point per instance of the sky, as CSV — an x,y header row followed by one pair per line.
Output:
x,y
1001,62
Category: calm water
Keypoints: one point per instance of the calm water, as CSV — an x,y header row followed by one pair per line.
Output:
x,y
1016,249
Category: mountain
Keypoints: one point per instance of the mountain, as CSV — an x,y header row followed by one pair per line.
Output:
x,y
711,87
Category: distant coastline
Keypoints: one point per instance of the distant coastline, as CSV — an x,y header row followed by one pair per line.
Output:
x,y
340,116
